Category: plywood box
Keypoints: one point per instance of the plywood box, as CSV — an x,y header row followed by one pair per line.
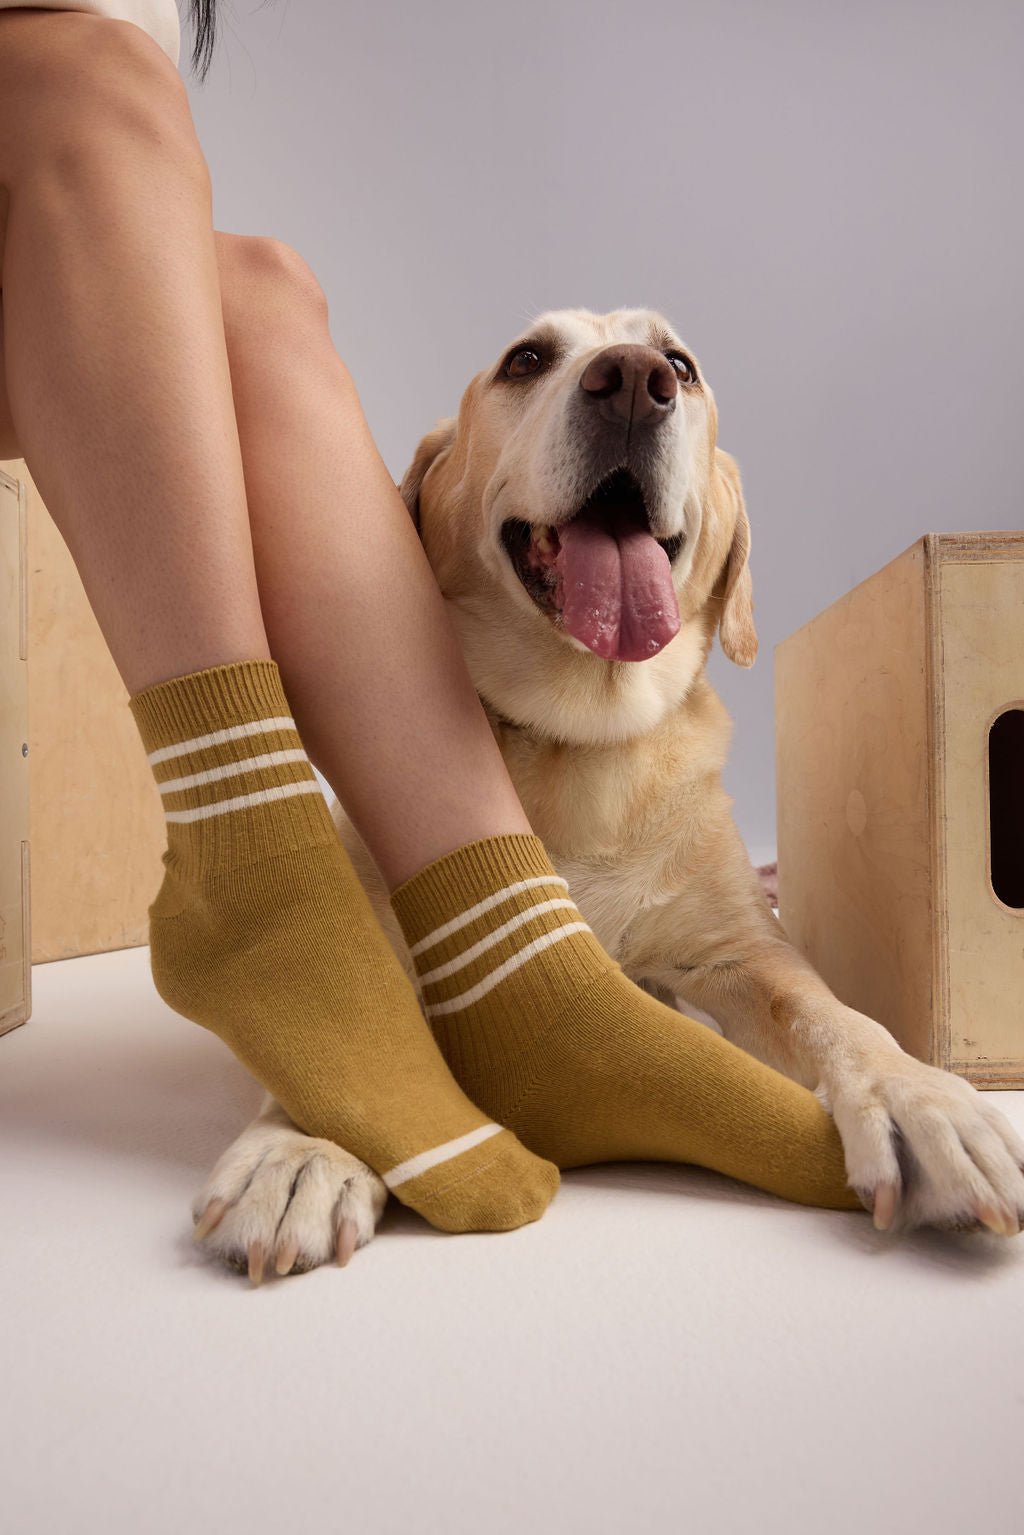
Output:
x,y
900,781
97,827
15,969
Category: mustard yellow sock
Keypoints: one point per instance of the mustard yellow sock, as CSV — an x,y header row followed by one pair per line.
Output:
x,y
262,933
546,1032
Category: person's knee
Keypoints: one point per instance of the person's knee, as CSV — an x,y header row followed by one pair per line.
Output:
x,y
95,88
264,276
278,270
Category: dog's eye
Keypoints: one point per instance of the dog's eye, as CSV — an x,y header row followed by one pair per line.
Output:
x,y
522,363
683,366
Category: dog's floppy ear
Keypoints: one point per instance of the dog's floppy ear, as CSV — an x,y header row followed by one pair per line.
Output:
x,y
736,623
437,441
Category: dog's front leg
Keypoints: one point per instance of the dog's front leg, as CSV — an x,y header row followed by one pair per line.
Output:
x,y
925,1142
770,1001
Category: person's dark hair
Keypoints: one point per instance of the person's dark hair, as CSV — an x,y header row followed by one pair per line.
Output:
x,y
204,30
204,34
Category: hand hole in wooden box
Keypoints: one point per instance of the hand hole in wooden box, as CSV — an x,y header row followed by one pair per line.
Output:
x,y
1006,807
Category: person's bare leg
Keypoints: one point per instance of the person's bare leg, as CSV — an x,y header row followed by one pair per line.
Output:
x,y
120,393
116,366
355,618
419,773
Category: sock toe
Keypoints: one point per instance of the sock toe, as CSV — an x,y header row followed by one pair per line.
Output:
x,y
499,1187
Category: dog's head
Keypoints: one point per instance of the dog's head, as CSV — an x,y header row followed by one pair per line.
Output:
x,y
585,527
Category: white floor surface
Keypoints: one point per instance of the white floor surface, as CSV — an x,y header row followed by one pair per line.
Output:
x,y
665,1350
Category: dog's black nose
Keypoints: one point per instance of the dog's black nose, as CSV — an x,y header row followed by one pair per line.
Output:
x,y
636,383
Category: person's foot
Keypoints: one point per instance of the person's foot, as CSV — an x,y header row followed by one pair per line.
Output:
x,y
545,1031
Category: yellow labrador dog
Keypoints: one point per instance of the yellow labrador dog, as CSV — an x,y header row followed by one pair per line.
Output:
x,y
590,538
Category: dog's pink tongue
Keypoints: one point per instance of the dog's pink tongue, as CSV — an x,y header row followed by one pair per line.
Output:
x,y
615,590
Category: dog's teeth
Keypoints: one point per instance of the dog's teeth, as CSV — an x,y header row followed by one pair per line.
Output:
x,y
544,543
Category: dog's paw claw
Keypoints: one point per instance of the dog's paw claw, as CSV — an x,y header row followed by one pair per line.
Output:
x,y
998,1219
285,1260
210,1218
256,1261
886,1196
348,1236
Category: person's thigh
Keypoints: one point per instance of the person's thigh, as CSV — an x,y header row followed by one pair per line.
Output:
x,y
56,66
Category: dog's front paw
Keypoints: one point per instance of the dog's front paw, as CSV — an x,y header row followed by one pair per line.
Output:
x,y
923,1148
285,1202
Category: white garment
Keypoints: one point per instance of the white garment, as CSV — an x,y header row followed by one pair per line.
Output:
x,y
157,17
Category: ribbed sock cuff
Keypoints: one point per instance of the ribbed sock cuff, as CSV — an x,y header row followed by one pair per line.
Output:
x,y
200,702
236,784
461,879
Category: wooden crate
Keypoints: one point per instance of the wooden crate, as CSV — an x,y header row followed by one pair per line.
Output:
x,y
97,826
900,781
15,968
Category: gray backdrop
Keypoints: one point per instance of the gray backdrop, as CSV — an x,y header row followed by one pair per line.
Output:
x,y
825,198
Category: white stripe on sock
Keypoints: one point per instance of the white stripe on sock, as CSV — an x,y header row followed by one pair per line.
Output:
x,y
243,801
499,933
428,1159
482,906
231,770
467,998
218,738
